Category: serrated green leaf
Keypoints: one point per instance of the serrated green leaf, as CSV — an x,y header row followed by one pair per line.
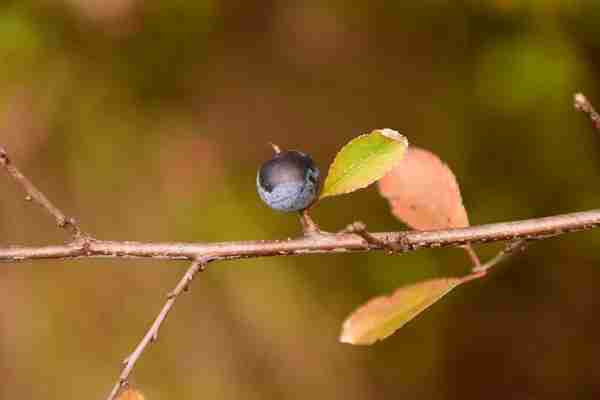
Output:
x,y
382,316
363,161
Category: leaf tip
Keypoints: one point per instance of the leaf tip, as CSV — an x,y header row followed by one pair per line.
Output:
x,y
394,135
348,336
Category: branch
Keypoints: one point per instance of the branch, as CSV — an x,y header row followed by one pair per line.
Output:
x,y
530,229
152,334
33,194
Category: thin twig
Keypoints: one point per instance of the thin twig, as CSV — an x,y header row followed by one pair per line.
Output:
x,y
583,104
152,333
510,249
33,194
480,270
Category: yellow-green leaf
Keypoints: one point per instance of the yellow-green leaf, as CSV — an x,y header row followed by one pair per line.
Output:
x,y
382,316
363,161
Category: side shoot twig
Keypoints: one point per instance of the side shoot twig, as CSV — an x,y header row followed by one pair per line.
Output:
x,y
35,195
152,334
510,249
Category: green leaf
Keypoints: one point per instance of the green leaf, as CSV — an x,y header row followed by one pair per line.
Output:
x,y
363,161
382,316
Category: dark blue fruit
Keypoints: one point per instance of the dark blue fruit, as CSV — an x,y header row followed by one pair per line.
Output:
x,y
289,181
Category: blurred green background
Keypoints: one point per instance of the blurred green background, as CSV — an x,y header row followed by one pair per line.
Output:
x,y
147,120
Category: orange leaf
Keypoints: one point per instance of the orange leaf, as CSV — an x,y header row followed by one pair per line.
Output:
x,y
423,192
130,393
382,316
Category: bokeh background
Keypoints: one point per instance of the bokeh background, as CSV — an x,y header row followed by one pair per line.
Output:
x,y
147,120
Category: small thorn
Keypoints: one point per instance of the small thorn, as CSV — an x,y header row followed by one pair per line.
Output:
x,y
28,198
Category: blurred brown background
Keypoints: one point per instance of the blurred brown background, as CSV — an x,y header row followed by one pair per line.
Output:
x,y
147,120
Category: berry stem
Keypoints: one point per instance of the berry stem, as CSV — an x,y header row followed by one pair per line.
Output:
x,y
309,226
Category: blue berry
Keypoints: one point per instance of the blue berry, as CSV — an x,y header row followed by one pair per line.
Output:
x,y
288,182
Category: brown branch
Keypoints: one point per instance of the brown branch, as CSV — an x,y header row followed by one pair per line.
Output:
x,y
583,104
33,194
152,334
530,229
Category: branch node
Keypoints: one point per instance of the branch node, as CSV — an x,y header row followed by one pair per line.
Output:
x,y
84,242
359,228
403,243
4,160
